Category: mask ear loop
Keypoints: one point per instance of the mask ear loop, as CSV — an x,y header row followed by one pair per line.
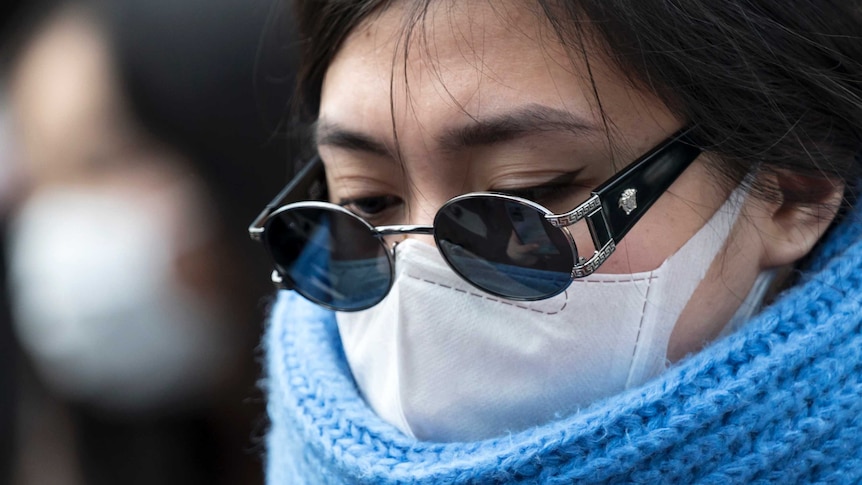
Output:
x,y
753,301
752,304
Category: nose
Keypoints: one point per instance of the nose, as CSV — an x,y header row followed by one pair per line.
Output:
x,y
421,238
422,207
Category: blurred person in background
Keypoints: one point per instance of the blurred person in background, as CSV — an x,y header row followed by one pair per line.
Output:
x,y
138,125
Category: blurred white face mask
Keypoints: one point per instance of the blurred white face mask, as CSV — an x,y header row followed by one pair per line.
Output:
x,y
98,305
443,361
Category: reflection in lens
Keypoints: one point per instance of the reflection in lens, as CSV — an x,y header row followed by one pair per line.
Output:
x,y
330,257
504,247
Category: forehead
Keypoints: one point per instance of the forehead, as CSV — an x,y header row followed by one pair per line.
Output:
x,y
449,31
450,52
466,60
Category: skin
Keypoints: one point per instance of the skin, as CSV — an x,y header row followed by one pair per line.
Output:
x,y
472,65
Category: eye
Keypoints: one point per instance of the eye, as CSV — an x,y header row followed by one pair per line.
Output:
x,y
555,197
371,207
540,193
559,193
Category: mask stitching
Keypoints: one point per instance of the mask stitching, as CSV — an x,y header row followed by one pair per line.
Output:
x,y
492,299
640,328
627,280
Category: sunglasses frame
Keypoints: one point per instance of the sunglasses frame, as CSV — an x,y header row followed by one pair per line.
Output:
x,y
610,211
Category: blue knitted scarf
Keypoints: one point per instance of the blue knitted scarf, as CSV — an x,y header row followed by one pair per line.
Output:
x,y
780,401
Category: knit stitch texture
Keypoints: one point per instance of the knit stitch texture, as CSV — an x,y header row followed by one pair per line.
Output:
x,y
780,401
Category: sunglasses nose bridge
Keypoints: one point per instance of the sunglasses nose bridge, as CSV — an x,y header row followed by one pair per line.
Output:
x,y
392,235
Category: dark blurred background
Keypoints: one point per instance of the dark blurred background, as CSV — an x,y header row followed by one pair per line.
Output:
x,y
138,138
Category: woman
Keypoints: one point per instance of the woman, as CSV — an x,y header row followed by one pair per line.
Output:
x,y
642,176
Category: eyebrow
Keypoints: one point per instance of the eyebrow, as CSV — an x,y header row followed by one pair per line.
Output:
x,y
335,135
526,120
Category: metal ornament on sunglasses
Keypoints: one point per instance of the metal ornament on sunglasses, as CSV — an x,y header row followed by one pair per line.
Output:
x,y
338,260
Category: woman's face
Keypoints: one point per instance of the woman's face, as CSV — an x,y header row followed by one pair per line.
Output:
x,y
486,98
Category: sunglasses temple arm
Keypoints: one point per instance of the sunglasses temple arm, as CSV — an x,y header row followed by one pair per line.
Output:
x,y
309,184
627,197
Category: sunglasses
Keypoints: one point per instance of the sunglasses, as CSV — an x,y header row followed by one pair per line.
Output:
x,y
338,260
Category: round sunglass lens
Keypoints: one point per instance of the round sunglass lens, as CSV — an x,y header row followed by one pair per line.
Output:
x,y
504,247
329,256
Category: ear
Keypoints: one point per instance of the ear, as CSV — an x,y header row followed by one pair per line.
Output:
x,y
799,214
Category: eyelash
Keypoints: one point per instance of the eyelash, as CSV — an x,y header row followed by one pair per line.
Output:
x,y
544,194
557,192
375,208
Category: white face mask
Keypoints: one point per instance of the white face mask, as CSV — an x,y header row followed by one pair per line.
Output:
x,y
98,305
443,361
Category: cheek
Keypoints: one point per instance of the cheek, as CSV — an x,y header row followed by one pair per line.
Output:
x,y
642,251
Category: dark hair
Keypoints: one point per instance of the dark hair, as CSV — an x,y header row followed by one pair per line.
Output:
x,y
772,86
